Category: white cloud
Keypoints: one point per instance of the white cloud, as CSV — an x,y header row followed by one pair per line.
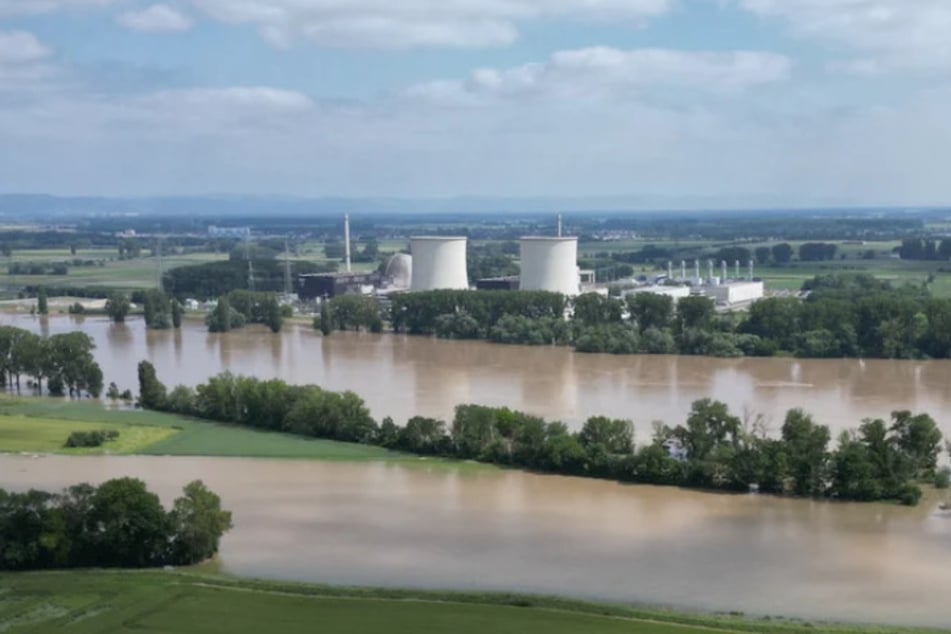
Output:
x,y
21,47
158,18
33,7
234,100
887,34
600,71
387,24
24,60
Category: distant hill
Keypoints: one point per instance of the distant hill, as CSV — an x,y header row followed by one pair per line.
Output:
x,y
19,206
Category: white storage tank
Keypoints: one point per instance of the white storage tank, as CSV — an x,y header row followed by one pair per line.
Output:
x,y
439,263
550,264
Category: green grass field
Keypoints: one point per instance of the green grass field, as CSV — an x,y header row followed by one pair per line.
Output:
x,y
33,435
132,274
41,425
107,602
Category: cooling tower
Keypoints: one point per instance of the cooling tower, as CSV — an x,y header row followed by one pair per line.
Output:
x,y
399,271
439,263
550,264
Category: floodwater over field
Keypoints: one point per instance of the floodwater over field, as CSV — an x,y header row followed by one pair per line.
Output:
x,y
395,525
403,376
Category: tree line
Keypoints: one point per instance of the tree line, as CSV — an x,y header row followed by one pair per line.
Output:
x,y
844,315
925,249
120,523
64,362
713,449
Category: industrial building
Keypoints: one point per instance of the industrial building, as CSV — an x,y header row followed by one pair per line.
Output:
x,y
439,262
736,293
676,292
550,264
319,285
505,283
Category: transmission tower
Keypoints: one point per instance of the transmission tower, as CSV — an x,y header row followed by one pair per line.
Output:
x,y
159,272
287,268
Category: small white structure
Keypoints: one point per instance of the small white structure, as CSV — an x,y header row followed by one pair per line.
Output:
x,y
439,262
677,292
733,293
675,449
550,264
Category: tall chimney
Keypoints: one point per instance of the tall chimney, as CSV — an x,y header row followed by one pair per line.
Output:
x,y
696,270
723,271
751,270
737,276
710,271
559,225
346,239
683,271
670,271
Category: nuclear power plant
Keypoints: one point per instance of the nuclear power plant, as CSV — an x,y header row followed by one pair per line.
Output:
x,y
439,263
550,264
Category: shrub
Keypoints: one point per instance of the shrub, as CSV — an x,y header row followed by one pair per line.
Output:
x,y
942,479
91,438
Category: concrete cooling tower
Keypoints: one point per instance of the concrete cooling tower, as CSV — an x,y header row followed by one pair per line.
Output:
x,y
550,264
399,271
439,263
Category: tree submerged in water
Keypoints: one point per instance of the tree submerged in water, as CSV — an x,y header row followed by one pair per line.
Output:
x,y
117,524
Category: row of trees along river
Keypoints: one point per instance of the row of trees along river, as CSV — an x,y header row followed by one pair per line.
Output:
x,y
117,524
712,449
843,316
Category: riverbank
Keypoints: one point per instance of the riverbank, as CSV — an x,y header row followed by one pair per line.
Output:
x,y
188,601
41,425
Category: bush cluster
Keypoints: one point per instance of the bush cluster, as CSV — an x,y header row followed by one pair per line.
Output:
x,y
94,438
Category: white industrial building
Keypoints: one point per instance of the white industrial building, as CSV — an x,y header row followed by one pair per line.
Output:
x,y
677,292
550,264
439,263
736,293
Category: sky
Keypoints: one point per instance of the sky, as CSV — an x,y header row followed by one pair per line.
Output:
x,y
728,102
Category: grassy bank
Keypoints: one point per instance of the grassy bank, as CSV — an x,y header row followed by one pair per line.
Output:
x,y
41,425
183,602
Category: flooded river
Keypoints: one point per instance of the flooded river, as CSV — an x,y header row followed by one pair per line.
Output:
x,y
408,526
380,524
403,376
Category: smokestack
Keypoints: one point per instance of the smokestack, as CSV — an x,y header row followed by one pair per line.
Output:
x,y
751,270
696,270
346,239
559,225
737,276
683,271
722,271
670,270
710,271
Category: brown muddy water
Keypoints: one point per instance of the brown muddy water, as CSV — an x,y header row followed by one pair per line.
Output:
x,y
403,376
382,524
412,526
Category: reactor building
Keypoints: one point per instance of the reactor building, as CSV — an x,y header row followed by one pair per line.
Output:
x,y
439,263
550,264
